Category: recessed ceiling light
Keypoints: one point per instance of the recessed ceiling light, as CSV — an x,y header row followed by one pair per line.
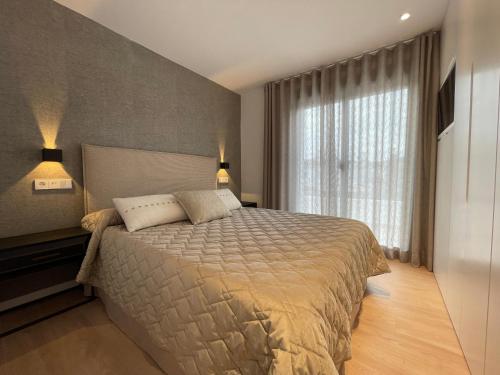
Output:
x,y
405,16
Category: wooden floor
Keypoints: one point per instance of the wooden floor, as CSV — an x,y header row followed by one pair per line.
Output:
x,y
404,329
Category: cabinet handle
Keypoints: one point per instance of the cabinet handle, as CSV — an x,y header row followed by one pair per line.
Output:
x,y
43,257
471,101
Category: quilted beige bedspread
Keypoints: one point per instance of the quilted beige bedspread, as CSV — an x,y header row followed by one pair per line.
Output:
x,y
261,292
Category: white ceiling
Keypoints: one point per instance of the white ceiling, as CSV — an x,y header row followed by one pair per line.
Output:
x,y
243,43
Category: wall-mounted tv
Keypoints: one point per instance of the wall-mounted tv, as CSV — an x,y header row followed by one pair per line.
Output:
x,y
446,104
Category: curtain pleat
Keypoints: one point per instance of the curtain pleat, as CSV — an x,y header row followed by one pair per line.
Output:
x,y
358,139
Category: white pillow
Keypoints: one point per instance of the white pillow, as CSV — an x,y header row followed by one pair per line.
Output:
x,y
149,210
228,198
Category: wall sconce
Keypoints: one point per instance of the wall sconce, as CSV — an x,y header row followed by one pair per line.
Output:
x,y
52,154
224,165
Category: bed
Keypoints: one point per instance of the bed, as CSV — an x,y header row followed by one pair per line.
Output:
x,y
262,291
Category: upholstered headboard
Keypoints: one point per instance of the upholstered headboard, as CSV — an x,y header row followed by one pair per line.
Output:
x,y
111,172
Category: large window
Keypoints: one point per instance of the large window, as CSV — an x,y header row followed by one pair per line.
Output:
x,y
354,158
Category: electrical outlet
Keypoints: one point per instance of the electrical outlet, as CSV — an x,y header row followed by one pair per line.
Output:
x,y
53,183
41,184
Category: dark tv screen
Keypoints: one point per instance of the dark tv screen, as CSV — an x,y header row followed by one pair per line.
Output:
x,y
446,105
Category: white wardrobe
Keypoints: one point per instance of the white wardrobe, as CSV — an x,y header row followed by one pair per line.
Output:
x,y
467,233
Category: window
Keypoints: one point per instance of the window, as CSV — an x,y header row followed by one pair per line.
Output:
x,y
354,158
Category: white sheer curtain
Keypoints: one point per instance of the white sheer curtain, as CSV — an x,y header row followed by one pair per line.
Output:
x,y
352,138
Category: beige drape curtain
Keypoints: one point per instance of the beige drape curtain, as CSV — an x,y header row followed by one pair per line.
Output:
x,y
422,234
274,195
358,139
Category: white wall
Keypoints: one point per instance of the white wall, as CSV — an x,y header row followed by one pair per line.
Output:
x,y
252,144
449,32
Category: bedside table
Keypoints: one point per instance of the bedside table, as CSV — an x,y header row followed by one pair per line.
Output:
x,y
39,265
249,204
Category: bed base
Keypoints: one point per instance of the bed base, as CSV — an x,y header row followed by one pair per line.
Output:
x,y
164,359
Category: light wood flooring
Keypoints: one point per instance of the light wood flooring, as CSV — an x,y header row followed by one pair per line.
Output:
x,y
404,329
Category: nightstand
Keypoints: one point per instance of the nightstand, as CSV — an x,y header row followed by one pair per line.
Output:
x,y
249,204
36,266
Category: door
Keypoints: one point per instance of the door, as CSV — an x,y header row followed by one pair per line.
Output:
x,y
442,216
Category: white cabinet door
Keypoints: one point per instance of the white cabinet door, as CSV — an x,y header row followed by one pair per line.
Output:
x,y
482,180
482,185
460,163
491,45
478,235
492,365
442,216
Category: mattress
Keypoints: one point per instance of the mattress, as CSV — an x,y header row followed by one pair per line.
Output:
x,y
263,291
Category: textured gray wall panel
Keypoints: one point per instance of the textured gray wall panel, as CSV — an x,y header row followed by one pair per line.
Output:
x,y
67,80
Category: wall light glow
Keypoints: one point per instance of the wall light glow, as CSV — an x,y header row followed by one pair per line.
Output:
x,y
48,118
45,89
221,151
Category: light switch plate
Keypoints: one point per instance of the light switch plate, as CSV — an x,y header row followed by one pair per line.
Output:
x,y
223,180
53,183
